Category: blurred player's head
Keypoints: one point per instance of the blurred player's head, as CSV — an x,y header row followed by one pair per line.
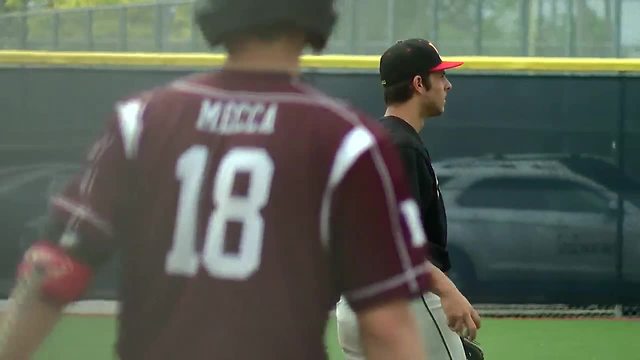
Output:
x,y
413,74
236,24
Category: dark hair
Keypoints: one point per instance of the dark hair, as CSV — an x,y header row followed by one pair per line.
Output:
x,y
402,92
264,33
224,22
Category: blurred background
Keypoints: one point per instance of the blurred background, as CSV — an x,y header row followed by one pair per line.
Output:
x,y
540,170
600,28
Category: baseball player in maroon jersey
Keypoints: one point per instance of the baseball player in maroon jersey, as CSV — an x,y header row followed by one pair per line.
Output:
x,y
243,203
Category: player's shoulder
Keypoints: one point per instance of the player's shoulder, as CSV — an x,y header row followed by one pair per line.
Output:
x,y
401,133
166,94
156,103
138,113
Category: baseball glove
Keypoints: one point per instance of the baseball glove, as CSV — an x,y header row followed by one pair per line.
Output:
x,y
472,350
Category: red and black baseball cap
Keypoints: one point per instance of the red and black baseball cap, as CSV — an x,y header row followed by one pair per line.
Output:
x,y
408,58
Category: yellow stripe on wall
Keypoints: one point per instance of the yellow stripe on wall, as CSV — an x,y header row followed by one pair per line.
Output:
x,y
347,62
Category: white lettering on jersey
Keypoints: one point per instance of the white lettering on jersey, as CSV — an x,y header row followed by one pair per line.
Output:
x,y
230,117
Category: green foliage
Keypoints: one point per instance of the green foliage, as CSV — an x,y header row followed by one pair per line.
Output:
x,y
14,5
69,4
503,27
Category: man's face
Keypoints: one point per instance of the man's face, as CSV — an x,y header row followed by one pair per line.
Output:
x,y
434,99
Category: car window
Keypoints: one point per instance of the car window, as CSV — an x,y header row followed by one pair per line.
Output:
x,y
607,175
603,173
536,193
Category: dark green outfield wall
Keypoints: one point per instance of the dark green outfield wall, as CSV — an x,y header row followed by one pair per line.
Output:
x,y
49,116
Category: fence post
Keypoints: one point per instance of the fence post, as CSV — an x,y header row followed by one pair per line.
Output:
x,y
618,28
90,29
390,21
524,20
572,29
436,21
354,27
620,160
534,18
122,31
479,7
159,28
56,30
24,30
194,31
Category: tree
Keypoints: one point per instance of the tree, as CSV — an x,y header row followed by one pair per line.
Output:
x,y
460,27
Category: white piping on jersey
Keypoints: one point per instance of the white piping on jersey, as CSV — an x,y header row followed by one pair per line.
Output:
x,y
204,90
355,143
130,125
314,98
390,196
388,284
411,214
81,212
130,121
89,177
392,202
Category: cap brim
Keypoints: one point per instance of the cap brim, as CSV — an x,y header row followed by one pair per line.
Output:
x,y
447,65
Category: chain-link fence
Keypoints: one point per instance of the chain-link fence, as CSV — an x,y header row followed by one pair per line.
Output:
x,y
600,28
559,311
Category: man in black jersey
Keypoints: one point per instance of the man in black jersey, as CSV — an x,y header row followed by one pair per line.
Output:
x,y
415,89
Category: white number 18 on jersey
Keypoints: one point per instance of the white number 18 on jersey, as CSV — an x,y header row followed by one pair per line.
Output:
x,y
191,170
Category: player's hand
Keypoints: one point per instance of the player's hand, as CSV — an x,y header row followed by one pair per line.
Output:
x,y
461,316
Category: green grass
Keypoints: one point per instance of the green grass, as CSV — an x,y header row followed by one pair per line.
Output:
x,y
80,338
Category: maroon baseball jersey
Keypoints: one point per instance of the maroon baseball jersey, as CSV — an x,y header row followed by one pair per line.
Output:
x,y
243,205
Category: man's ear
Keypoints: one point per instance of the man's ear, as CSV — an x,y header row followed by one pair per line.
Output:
x,y
417,83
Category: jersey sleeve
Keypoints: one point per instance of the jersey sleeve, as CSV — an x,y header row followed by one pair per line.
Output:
x,y
378,238
86,214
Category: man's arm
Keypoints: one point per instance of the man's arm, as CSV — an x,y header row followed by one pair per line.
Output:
x,y
389,332
28,320
80,237
378,253
461,316
48,279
